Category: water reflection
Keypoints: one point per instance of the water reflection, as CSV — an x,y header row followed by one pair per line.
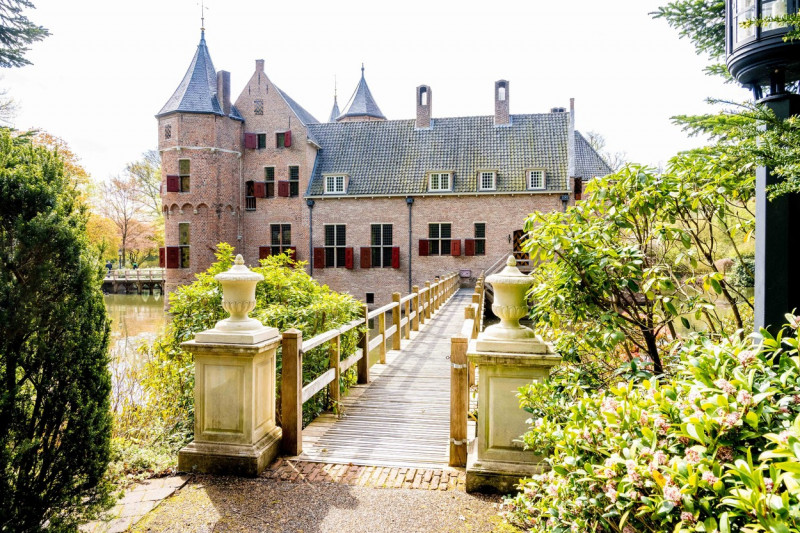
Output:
x,y
136,319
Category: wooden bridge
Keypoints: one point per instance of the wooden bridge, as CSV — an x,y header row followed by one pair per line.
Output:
x,y
401,413
140,280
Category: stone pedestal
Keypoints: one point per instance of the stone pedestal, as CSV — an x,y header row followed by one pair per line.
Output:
x,y
496,460
234,391
508,356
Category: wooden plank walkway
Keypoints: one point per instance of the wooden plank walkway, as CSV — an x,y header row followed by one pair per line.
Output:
x,y
401,418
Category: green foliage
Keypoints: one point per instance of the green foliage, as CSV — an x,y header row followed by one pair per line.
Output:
x,y
55,424
638,254
16,32
715,448
287,298
743,271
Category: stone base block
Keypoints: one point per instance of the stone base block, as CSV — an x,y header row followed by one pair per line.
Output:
x,y
492,477
532,346
215,336
230,459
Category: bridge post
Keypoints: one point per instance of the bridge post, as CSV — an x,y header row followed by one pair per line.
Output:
x,y
469,313
428,300
396,321
362,367
382,334
459,400
335,361
415,304
292,392
407,310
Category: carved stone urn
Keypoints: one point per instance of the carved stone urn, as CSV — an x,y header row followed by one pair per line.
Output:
x,y
238,299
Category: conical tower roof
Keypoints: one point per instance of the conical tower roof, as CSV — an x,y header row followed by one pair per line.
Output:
x,y
197,92
335,111
362,104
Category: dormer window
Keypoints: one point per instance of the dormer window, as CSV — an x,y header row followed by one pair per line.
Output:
x,y
439,182
334,184
535,179
487,180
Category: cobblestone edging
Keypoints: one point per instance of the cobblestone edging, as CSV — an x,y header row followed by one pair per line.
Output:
x,y
366,476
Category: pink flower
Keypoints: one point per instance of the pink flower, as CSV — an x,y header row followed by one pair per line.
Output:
x,y
645,451
794,322
769,484
610,405
692,456
746,357
744,398
783,409
726,386
630,466
660,458
643,419
661,424
694,395
688,517
684,440
732,418
725,454
552,490
628,529
611,494
783,436
672,493
710,478
796,398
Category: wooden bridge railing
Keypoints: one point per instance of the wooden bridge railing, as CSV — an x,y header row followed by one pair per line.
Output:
x,y
140,274
462,375
407,312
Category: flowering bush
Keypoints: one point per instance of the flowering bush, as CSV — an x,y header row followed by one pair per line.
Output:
x,y
714,448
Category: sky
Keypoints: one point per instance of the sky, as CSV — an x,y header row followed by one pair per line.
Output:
x,y
109,66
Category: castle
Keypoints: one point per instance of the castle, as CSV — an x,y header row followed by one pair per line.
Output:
x,y
374,206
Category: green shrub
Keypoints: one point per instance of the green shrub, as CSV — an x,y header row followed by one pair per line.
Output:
x,y
743,270
714,448
287,298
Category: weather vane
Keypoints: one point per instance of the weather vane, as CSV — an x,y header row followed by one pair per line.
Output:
x,y
202,15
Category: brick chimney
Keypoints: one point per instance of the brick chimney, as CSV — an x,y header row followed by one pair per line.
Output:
x,y
424,96
259,65
501,116
224,90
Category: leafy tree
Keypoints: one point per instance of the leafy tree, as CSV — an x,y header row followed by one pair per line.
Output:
x,y
102,233
55,424
77,175
16,32
120,202
146,173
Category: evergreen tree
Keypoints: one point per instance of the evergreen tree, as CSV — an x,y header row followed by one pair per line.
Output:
x,y
55,422
16,31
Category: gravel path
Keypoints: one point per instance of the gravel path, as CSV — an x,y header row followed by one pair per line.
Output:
x,y
223,504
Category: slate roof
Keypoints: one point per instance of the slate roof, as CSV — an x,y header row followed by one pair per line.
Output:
x,y
305,117
588,163
362,104
197,92
335,111
394,157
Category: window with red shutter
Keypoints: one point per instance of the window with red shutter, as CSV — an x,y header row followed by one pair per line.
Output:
x,y
395,257
292,251
366,257
162,257
469,247
260,189
348,257
250,140
423,247
173,256
319,257
264,252
283,188
173,184
455,247
578,188
287,139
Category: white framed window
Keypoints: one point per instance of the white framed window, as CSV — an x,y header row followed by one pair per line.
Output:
x,y
535,179
334,184
487,180
439,181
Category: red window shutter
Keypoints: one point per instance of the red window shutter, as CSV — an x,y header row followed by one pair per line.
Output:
x,y
578,188
260,189
469,246
264,252
423,247
319,257
287,139
366,257
162,257
173,184
348,257
455,247
395,257
283,188
292,251
250,141
173,256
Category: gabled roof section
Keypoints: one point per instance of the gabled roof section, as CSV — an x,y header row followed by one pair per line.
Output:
x,y
588,163
305,117
394,157
197,92
335,111
362,104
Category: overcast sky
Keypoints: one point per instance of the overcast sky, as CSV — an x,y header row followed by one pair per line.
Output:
x,y
109,66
